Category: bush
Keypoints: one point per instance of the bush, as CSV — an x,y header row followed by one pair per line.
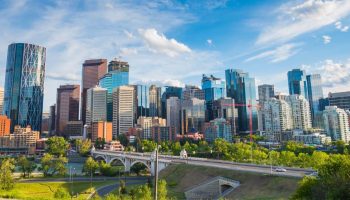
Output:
x,y
61,194
108,170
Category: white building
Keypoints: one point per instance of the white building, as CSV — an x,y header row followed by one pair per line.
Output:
x,y
96,106
123,109
336,123
1,100
312,139
300,111
277,115
173,109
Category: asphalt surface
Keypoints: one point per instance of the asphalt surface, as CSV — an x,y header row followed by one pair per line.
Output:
x,y
84,179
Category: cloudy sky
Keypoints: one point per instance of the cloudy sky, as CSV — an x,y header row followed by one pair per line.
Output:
x,y
174,42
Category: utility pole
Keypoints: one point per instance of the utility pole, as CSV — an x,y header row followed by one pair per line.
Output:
x,y
156,175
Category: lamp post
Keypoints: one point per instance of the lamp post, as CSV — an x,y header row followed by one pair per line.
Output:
x,y
156,173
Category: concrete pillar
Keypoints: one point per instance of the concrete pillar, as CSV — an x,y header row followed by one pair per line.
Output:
x,y
127,164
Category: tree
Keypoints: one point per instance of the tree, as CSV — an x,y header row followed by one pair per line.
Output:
x,y
60,165
162,190
137,168
46,164
6,168
52,166
176,148
122,187
123,140
143,192
340,146
90,166
57,146
83,146
26,166
61,194
100,143
288,158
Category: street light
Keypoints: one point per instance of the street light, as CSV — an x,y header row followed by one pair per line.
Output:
x,y
156,173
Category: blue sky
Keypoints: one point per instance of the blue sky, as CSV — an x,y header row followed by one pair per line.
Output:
x,y
174,42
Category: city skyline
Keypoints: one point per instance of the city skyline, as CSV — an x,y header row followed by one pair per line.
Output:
x,y
179,36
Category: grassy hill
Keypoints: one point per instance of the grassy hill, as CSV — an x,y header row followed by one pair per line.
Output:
x,y
253,186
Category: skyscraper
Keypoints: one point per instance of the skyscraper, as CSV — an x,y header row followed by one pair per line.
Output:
x,y
192,115
214,88
218,128
340,99
142,103
315,93
96,105
167,92
118,75
67,102
336,123
297,83
277,116
224,108
1,100
52,122
241,88
192,91
265,92
92,71
173,111
300,111
24,85
123,109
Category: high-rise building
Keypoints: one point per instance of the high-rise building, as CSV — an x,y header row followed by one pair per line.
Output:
x,y
67,103
315,93
24,85
173,111
146,123
118,75
96,105
45,124
340,99
218,128
241,88
154,101
277,116
163,133
123,109
265,91
323,102
336,123
224,108
142,103
192,91
297,83
101,130
192,115
214,88
300,111
1,100
5,124
74,129
52,122
92,71
167,92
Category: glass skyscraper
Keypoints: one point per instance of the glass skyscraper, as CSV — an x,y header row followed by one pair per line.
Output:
x,y
315,93
297,83
241,88
118,75
167,92
142,103
24,85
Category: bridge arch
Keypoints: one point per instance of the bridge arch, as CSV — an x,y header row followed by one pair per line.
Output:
x,y
100,157
117,158
143,162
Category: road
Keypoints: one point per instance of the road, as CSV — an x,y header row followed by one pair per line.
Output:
x,y
84,179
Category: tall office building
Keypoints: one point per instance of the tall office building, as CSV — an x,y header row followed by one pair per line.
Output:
x,y
5,124
142,103
154,99
24,85
1,100
214,88
192,91
52,122
146,123
192,115
118,75
340,99
277,115
92,71
300,111
265,92
224,108
123,109
336,123
96,105
67,103
315,93
167,92
218,128
241,88
297,83
173,111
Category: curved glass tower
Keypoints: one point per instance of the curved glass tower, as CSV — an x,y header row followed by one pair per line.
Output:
x,y
24,84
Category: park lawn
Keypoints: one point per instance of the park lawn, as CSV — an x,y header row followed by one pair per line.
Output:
x,y
46,190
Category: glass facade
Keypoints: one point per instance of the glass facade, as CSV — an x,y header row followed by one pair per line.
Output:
x,y
24,85
192,115
315,92
241,88
142,102
297,83
166,92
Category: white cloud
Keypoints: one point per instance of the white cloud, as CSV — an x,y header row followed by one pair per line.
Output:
x,y
278,54
209,42
296,19
326,39
158,43
338,25
166,82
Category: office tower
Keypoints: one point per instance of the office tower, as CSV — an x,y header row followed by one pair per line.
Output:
x,y
323,102
92,71
67,103
297,83
192,115
192,91
45,121
24,85
96,105
218,128
300,111
146,123
265,92
340,99
101,130
52,122
5,124
214,88
241,88
336,123
73,129
173,111
225,108
277,115
123,109
118,75
154,101
142,103
1,100
163,134
167,92
315,93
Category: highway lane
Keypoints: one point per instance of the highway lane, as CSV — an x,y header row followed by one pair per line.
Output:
x,y
84,179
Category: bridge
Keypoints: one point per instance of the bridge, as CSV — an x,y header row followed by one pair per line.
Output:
x,y
148,159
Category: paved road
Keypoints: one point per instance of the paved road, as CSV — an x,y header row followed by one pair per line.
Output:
x,y
85,179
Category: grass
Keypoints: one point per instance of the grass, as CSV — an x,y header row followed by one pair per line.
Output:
x,y
46,190
253,186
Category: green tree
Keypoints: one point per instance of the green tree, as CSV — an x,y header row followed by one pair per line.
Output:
x,y
122,187
46,164
26,166
6,168
83,146
60,165
304,160
137,168
340,146
176,148
143,192
90,166
148,145
318,158
61,194
57,146
123,140
162,190
287,158
52,166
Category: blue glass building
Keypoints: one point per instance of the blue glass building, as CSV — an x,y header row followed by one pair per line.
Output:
x,y
315,93
297,83
214,89
241,88
142,101
167,92
24,85
118,75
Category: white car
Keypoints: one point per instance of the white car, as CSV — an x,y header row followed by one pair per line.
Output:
x,y
279,169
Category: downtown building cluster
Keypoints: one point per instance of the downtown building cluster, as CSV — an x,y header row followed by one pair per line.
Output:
x,y
106,105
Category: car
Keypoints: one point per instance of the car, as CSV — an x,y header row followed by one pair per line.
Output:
x,y
314,174
279,169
